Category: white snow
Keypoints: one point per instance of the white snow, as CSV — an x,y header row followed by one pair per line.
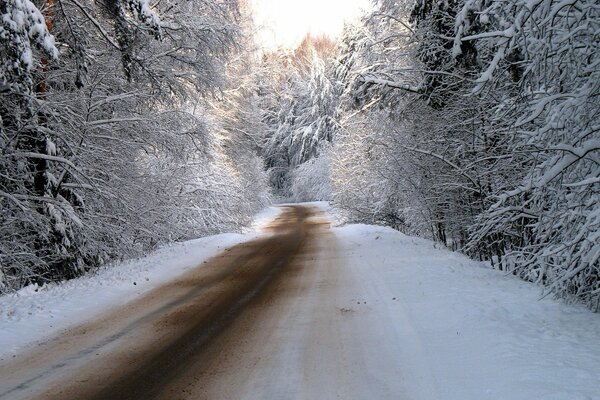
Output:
x,y
464,331
262,219
445,327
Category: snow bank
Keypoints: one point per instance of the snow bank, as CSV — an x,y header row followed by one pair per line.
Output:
x,y
468,332
262,219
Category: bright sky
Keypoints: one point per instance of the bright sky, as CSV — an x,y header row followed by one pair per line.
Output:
x,y
285,22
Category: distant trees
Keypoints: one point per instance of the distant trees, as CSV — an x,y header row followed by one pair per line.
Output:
x,y
300,108
310,181
108,145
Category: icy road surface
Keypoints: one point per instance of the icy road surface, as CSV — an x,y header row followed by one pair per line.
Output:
x,y
313,312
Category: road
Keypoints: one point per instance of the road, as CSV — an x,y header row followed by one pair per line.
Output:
x,y
270,318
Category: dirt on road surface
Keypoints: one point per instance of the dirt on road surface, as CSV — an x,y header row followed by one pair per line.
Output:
x,y
280,317
259,321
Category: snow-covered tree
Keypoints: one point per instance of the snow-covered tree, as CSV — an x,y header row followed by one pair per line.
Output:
x,y
549,51
310,181
300,107
109,149
490,107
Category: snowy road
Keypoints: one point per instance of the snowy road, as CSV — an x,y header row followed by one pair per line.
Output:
x,y
266,319
313,312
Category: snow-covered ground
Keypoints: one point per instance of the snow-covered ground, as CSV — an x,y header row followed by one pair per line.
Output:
x,y
262,219
444,326
464,331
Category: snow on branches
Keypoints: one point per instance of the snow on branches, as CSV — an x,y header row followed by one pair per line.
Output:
x,y
104,153
548,52
141,11
22,27
501,143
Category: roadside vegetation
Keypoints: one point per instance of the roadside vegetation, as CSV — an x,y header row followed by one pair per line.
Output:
x,y
474,123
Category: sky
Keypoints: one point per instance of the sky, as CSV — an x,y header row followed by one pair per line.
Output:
x,y
283,23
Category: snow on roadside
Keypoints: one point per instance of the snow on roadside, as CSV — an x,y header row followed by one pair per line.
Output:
x,y
262,219
35,313
334,214
467,332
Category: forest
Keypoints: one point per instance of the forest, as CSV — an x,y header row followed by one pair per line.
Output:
x,y
129,124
